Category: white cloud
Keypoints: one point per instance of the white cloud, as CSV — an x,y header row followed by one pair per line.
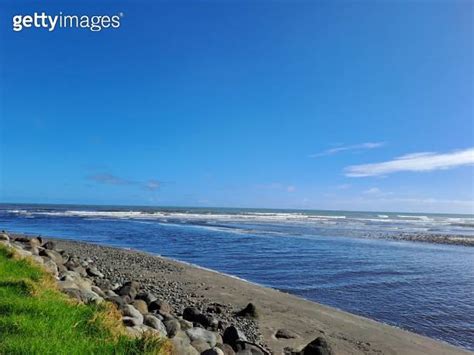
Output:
x,y
418,162
354,147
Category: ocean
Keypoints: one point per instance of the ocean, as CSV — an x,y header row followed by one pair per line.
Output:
x,y
337,258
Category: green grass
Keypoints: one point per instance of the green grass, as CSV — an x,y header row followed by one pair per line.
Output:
x,y
36,318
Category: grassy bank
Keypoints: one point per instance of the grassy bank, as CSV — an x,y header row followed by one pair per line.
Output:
x,y
35,318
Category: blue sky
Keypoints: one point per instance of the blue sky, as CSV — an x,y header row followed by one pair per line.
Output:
x,y
328,105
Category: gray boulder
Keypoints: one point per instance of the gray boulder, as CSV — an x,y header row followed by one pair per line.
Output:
x,y
202,334
318,346
160,306
146,296
129,289
172,327
94,272
130,311
155,323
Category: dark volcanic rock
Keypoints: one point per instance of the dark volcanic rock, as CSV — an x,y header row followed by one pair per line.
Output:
x,y
160,306
148,297
249,311
285,334
49,245
232,335
129,288
318,346
193,315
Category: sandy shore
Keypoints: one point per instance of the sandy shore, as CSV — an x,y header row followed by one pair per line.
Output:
x,y
183,285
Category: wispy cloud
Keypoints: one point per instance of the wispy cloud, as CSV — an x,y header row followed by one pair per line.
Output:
x,y
109,179
353,147
418,162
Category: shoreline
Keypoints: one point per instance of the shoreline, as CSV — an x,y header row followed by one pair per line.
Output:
x,y
184,284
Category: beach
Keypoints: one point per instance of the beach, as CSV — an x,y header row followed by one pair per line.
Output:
x,y
183,285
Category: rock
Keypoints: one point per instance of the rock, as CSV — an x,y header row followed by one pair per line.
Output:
x,y
193,315
155,323
21,239
232,335
202,334
141,306
104,284
89,296
49,245
73,293
35,243
318,346
32,249
249,311
190,313
26,254
160,306
128,289
215,351
138,330
67,284
172,327
130,311
185,325
285,334
182,345
226,349
116,300
248,349
51,267
53,255
214,308
131,321
110,293
200,345
92,271
80,270
147,297
165,316
98,291
4,236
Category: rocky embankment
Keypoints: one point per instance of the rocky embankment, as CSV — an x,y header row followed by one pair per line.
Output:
x,y
194,324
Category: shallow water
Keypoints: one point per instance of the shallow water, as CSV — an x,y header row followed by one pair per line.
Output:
x,y
422,287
